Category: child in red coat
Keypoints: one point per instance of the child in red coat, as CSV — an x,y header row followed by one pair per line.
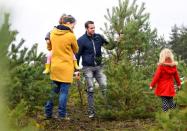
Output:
x,y
164,79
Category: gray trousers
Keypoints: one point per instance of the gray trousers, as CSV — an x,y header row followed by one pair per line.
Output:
x,y
90,73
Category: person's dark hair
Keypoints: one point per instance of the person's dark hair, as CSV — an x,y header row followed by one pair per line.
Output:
x,y
87,23
66,18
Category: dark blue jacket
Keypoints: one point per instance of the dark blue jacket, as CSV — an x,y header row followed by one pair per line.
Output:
x,y
90,49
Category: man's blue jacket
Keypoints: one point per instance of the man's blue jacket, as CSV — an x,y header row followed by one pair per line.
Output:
x,y
90,49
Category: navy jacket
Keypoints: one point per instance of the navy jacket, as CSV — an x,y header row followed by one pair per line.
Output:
x,y
90,49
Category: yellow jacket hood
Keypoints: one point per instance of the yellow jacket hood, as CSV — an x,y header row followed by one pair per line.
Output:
x,y
61,30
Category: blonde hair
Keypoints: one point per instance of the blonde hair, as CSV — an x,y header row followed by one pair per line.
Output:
x,y
166,54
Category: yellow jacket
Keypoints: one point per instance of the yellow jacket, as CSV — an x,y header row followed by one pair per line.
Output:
x,y
64,46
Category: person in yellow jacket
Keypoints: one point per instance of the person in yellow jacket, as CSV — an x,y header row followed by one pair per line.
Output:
x,y
49,47
64,46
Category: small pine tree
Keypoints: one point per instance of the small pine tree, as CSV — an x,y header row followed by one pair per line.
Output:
x,y
128,72
175,120
7,36
15,120
128,31
27,80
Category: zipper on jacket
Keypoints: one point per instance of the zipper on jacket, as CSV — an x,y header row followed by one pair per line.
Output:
x,y
94,51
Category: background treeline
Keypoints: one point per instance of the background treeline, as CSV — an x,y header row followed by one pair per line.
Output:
x,y
130,60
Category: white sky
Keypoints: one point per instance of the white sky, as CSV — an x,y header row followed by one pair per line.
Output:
x,y
34,18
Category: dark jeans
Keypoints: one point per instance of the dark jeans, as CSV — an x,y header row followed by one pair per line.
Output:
x,y
62,88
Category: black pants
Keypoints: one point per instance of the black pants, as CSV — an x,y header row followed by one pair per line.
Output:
x,y
167,103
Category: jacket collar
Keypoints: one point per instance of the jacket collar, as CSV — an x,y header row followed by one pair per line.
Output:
x,y
168,64
90,37
63,27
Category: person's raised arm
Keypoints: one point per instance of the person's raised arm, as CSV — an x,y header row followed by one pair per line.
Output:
x,y
104,41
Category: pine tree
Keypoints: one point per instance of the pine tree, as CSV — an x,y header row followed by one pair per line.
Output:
x,y
7,36
128,31
25,55
23,66
178,42
13,118
128,72
27,80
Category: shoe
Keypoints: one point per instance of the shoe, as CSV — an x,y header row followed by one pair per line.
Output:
x,y
51,117
91,116
64,118
76,65
47,69
48,118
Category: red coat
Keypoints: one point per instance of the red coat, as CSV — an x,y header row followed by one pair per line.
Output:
x,y
164,80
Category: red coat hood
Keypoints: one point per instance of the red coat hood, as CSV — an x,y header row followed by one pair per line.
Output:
x,y
170,68
164,79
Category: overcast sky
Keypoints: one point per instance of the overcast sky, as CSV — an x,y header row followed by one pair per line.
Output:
x,y
34,18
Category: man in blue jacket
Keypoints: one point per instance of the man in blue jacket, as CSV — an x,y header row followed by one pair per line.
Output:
x,y
90,50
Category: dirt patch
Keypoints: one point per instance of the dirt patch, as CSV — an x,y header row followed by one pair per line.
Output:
x,y
79,121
